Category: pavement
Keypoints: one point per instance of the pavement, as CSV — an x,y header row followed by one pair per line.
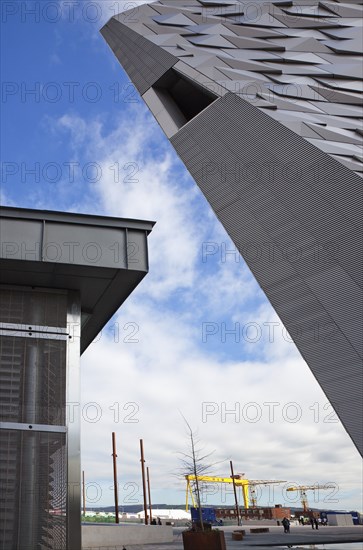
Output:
x,y
347,537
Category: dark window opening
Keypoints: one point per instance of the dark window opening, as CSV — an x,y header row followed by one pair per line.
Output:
x,y
182,98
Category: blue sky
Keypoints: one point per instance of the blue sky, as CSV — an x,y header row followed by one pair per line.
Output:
x,y
85,142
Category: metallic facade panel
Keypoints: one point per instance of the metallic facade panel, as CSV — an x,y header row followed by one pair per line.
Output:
x,y
18,309
135,51
73,422
22,214
32,427
40,346
137,258
40,428
102,258
49,407
299,54
299,266
21,242
33,504
88,246
33,431
279,187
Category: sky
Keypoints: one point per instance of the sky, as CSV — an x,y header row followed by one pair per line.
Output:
x,y
197,337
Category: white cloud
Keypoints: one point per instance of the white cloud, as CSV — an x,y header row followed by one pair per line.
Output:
x,y
262,406
139,182
268,411
5,200
164,372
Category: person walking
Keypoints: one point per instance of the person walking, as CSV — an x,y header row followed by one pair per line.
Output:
x,y
312,522
286,524
316,523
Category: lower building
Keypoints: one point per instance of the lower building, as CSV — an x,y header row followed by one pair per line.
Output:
x,y
62,276
277,512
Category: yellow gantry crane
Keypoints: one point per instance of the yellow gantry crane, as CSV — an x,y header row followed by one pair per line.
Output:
x,y
248,486
303,488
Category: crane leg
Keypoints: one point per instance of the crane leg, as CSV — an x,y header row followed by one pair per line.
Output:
x,y
245,496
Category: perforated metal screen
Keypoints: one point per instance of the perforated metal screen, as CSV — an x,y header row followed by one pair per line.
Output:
x,y
33,451
33,490
19,403
48,309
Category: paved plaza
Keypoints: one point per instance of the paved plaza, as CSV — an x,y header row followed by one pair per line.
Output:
x,y
299,536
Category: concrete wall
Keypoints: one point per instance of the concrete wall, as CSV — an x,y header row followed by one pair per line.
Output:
x,y
116,536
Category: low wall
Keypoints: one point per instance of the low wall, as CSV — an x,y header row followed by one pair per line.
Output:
x,y
105,535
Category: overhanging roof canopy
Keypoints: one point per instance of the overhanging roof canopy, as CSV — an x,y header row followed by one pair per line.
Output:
x,y
103,258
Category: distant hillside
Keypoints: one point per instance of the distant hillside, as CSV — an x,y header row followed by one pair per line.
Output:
x,y
134,508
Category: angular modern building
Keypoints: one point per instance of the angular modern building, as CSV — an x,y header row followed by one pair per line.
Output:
x,y
262,102
62,276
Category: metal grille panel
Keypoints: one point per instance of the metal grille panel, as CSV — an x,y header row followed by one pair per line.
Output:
x,y
19,307
18,402
33,473
33,505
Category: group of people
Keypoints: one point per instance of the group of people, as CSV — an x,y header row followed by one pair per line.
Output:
x,y
156,521
314,522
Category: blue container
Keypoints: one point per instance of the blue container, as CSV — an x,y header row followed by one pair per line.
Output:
x,y
208,515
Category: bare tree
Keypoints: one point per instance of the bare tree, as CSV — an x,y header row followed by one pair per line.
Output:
x,y
195,463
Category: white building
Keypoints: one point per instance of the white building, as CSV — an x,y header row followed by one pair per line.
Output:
x,y
167,514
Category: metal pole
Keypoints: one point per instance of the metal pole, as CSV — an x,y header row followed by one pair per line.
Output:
x,y
74,487
235,492
149,493
142,460
114,456
84,494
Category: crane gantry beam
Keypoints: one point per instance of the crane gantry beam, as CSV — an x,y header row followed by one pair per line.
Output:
x,y
239,481
303,488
